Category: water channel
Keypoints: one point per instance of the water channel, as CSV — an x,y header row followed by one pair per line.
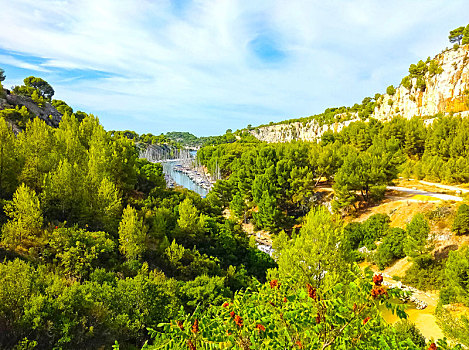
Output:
x,y
182,179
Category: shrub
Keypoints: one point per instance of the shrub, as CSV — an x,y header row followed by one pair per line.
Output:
x,y
391,248
461,222
377,193
375,227
407,82
427,275
407,330
456,284
390,90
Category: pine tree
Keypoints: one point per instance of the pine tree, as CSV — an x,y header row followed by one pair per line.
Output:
x,y
132,234
313,256
456,35
188,220
36,148
63,193
461,222
416,245
238,206
69,145
465,38
8,161
24,227
108,206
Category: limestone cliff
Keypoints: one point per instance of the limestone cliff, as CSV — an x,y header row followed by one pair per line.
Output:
x,y
305,131
446,92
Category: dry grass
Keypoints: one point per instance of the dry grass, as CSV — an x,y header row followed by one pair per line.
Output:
x,y
400,211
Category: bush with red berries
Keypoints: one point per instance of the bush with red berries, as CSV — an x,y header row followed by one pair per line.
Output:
x,y
276,316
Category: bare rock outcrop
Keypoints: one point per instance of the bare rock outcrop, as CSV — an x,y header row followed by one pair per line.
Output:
x,y
48,113
446,92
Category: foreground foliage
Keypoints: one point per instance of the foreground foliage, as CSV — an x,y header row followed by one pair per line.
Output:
x,y
277,316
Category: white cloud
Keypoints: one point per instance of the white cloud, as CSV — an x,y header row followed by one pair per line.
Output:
x,y
178,68
12,61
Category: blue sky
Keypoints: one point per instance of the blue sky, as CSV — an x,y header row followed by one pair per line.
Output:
x,y
206,66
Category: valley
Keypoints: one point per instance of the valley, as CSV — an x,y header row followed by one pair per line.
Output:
x,y
347,229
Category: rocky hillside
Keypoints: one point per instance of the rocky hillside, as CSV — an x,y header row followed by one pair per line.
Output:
x,y
48,113
444,91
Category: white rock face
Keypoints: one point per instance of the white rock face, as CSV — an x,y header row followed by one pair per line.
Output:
x,y
444,93
305,131
447,92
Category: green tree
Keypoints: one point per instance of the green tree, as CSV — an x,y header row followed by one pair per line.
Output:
x,y
408,330
204,291
132,234
238,206
62,107
2,75
465,39
374,228
39,100
416,245
24,228
69,145
42,86
107,207
99,153
461,221
78,251
276,316
37,152
361,172
63,193
313,256
390,90
189,220
391,248
9,165
456,35
149,176
456,282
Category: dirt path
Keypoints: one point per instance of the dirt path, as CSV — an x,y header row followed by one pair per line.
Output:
x,y
446,187
416,192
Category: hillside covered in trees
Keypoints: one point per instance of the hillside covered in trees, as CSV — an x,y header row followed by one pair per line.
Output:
x,y
96,252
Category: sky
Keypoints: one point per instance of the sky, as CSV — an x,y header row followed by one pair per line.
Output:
x,y
207,66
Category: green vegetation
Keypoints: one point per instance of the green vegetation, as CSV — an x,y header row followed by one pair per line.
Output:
x,y
147,139
419,71
314,300
465,37
95,249
456,271
391,248
461,222
455,290
274,184
456,35
36,88
184,138
416,244
276,316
